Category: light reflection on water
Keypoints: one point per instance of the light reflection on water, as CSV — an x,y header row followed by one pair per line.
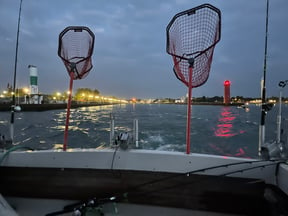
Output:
x,y
225,127
215,129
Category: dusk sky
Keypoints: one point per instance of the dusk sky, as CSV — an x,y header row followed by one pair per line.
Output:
x,y
130,58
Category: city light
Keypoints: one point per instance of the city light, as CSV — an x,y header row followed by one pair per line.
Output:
x,y
26,90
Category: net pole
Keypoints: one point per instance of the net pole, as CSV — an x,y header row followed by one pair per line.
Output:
x,y
68,112
188,121
188,126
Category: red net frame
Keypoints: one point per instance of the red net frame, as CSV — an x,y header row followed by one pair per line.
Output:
x,y
76,44
193,34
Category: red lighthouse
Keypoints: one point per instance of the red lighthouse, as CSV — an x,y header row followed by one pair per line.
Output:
x,y
227,92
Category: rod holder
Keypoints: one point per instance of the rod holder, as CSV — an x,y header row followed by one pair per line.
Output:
x,y
112,129
135,132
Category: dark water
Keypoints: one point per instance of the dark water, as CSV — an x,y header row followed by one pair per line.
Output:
x,y
215,129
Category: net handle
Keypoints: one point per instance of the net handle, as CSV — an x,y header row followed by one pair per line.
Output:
x,y
188,122
68,112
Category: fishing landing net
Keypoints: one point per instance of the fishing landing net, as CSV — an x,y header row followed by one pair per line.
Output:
x,y
191,39
76,44
193,34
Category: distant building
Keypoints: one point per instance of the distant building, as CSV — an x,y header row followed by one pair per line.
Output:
x,y
227,92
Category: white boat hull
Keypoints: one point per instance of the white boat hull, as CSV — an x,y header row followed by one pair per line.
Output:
x,y
194,182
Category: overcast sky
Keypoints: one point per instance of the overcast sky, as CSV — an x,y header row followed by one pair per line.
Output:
x,y
130,58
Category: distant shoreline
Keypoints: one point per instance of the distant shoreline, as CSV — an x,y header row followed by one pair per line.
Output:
x,y
45,107
210,103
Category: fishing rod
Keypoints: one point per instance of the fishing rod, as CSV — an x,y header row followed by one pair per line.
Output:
x,y
14,79
264,106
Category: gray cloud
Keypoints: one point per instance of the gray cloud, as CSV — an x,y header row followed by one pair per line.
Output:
x,y
130,55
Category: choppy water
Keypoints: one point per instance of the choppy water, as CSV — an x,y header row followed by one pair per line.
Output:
x,y
215,129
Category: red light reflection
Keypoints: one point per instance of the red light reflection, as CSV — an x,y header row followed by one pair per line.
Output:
x,y
225,126
225,130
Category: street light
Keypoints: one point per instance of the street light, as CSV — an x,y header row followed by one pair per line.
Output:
x,y
83,97
58,95
26,92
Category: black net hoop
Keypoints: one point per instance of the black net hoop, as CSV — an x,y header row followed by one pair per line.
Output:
x,y
192,35
76,44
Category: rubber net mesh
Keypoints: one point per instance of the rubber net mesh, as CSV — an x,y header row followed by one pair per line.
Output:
x,y
193,34
75,49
